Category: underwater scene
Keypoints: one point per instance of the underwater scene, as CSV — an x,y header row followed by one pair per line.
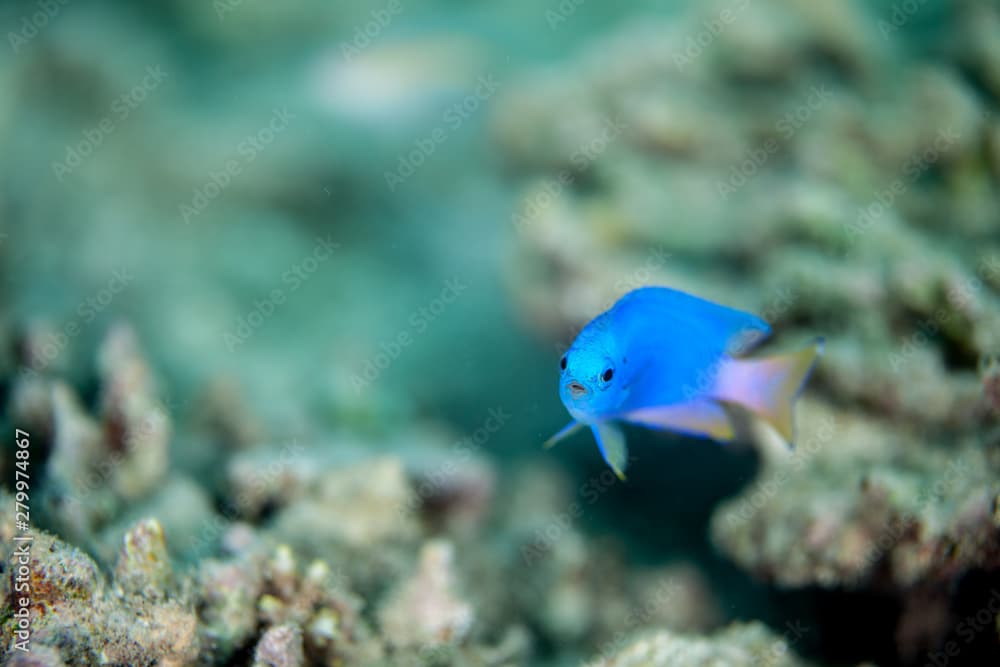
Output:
x,y
418,333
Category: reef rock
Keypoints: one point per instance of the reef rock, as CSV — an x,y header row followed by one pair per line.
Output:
x,y
425,610
140,618
741,645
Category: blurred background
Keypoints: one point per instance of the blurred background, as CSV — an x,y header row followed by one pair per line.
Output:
x,y
286,285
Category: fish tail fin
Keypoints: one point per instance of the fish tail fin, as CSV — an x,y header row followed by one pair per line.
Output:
x,y
768,386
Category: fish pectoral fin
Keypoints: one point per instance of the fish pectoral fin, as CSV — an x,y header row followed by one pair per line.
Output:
x,y
611,441
566,431
699,417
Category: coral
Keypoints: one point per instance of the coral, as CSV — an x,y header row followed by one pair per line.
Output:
x,y
222,412
60,576
143,566
281,646
143,634
825,208
425,611
36,350
104,474
354,515
271,477
266,590
675,597
853,508
788,169
979,23
40,656
96,467
860,507
227,604
748,645
452,489
579,591
989,372
136,424
140,618
31,404
317,601
183,508
146,614
76,495
366,500
832,166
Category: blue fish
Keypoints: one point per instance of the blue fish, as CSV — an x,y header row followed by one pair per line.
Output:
x,y
664,359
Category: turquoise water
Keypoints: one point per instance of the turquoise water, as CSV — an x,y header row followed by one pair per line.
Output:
x,y
373,229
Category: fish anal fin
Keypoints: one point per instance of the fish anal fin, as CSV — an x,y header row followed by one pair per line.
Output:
x,y
699,417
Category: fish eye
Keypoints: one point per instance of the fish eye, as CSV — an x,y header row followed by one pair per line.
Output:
x,y
608,374
562,363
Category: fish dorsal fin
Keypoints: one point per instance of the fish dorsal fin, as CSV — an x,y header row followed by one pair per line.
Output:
x,y
709,324
611,441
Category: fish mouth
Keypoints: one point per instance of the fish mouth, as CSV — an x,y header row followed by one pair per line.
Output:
x,y
576,390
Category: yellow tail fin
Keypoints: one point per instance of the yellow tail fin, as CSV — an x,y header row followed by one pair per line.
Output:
x,y
768,387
